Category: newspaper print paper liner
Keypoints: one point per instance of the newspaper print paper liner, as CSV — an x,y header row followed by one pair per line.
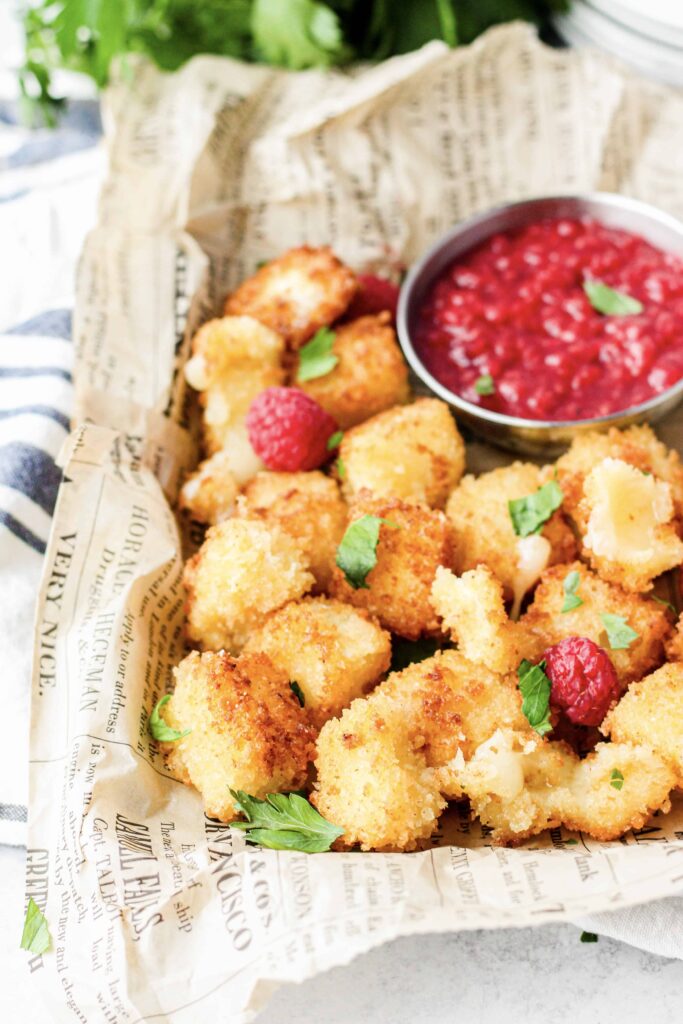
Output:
x,y
156,912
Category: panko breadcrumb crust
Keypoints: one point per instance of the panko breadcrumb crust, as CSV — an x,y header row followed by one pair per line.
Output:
x,y
296,294
393,750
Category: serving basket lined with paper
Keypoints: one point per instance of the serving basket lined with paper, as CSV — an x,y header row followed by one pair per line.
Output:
x,y
214,170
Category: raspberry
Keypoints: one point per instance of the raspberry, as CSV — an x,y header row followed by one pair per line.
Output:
x,y
289,430
583,682
374,295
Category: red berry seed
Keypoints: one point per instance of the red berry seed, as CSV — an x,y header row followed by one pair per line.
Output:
x,y
289,430
584,684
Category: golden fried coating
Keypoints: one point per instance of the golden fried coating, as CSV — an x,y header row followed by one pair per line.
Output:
x,y
637,445
545,618
478,510
297,294
371,374
651,713
412,452
385,763
209,494
333,651
247,729
408,554
243,570
233,359
674,644
519,785
307,506
473,611
627,522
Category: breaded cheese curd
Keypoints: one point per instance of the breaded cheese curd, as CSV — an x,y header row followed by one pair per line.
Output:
x,y
333,652
412,545
645,617
246,729
296,294
243,570
412,452
307,506
484,534
651,713
630,535
473,611
209,494
370,376
233,360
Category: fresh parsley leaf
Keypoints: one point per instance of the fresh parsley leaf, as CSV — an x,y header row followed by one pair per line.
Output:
x,y
298,693
158,727
284,821
36,935
570,585
341,469
529,514
316,359
534,686
296,33
616,779
484,385
357,553
610,302
589,937
408,652
571,842
335,440
619,633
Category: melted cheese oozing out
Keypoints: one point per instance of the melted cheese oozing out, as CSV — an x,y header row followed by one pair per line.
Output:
x,y
498,767
533,554
626,508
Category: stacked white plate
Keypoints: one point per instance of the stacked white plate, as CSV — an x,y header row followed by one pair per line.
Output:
x,y
648,34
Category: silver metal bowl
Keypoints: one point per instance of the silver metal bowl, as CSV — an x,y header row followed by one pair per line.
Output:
x,y
536,437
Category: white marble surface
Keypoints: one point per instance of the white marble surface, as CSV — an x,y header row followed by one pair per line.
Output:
x,y
522,977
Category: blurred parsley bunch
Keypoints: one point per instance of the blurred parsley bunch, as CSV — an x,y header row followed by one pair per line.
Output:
x,y
84,35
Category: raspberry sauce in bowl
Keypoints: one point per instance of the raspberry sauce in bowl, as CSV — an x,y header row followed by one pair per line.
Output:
x,y
545,318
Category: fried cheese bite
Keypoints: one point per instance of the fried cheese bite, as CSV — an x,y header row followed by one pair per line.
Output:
x,y
370,376
233,360
519,785
307,506
638,445
209,494
412,452
334,652
244,569
629,532
545,618
473,611
409,551
385,766
296,294
246,728
651,713
674,644
484,535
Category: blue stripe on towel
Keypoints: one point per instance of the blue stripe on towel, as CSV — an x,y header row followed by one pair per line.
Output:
x,y
30,470
22,532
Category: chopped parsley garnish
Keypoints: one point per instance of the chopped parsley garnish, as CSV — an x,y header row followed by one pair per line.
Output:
x,y
667,604
298,693
570,585
36,936
589,937
619,633
484,385
357,553
158,727
610,302
341,469
284,821
534,686
316,359
616,779
334,440
529,514
571,842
